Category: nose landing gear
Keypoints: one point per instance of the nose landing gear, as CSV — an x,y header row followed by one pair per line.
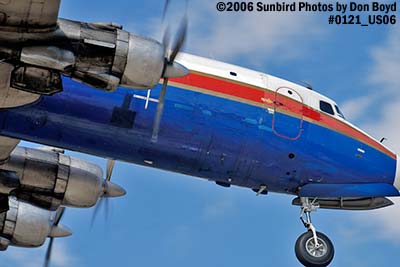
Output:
x,y
313,249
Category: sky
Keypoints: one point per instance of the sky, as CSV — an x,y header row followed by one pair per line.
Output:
x,y
168,219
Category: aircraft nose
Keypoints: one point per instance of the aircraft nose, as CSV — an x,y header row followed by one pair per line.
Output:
x,y
397,178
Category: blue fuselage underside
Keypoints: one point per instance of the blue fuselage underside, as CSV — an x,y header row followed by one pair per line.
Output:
x,y
201,135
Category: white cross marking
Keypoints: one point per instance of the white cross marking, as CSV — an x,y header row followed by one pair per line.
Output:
x,y
146,98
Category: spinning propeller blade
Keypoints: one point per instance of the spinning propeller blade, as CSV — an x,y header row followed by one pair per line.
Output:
x,y
165,9
48,253
172,69
56,231
181,38
110,168
110,190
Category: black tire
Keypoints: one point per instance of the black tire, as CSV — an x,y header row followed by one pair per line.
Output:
x,y
321,258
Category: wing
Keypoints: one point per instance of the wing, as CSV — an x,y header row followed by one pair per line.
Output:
x,y
7,145
9,96
29,15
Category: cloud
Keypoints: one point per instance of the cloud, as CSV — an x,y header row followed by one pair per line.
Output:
x,y
384,222
20,257
61,256
354,109
252,37
385,74
386,101
387,124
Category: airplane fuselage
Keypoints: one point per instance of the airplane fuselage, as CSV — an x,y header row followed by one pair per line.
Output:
x,y
231,128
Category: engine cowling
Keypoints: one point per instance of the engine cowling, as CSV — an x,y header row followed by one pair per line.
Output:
x,y
25,225
50,179
100,55
144,63
112,57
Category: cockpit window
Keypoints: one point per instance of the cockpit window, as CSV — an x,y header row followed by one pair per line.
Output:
x,y
326,107
339,112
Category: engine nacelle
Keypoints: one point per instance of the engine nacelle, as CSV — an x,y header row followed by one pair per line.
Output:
x,y
25,225
109,57
100,55
49,179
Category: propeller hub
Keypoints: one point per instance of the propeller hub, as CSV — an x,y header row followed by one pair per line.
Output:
x,y
113,190
175,70
60,231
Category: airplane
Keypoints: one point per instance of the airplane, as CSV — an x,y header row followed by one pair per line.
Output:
x,y
97,89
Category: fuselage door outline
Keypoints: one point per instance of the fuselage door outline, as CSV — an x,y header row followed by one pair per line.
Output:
x,y
287,120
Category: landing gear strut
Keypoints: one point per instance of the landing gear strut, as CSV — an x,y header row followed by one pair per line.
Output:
x,y
313,249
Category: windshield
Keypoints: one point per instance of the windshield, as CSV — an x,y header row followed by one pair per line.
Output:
x,y
339,112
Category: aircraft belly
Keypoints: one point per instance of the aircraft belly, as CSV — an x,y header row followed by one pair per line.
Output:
x,y
201,135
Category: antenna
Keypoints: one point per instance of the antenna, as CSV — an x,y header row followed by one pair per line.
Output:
x,y
307,85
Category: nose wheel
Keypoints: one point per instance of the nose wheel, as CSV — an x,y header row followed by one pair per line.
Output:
x,y
313,249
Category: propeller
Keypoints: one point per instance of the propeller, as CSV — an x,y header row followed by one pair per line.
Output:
x,y
166,5
57,230
172,69
110,190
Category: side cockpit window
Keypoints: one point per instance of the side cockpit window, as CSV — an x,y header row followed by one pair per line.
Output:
x,y
339,112
326,107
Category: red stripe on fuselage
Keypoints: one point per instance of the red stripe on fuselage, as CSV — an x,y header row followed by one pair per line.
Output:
x,y
258,95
